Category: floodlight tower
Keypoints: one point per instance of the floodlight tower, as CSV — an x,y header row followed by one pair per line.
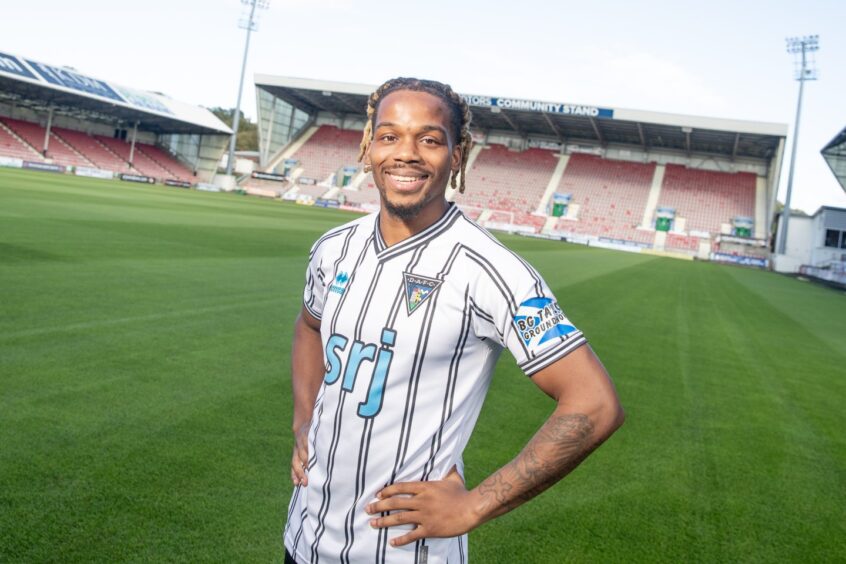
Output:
x,y
801,48
250,23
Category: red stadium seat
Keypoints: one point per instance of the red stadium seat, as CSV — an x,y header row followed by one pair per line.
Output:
x,y
611,196
367,193
707,199
140,162
327,150
509,181
12,147
93,150
75,148
58,151
164,160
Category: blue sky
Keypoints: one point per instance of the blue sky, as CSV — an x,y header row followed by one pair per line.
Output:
x,y
716,58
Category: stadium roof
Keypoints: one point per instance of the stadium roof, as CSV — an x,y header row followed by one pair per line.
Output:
x,y
835,155
40,86
570,123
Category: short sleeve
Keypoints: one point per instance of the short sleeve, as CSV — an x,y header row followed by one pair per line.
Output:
x,y
315,290
514,306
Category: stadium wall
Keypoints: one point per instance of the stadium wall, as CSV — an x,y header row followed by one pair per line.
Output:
x,y
806,241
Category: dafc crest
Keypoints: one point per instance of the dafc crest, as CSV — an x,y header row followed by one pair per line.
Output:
x,y
418,289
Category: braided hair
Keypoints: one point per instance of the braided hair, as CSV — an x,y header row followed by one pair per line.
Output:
x,y
459,117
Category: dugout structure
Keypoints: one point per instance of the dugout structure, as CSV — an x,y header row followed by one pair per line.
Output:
x,y
561,157
54,114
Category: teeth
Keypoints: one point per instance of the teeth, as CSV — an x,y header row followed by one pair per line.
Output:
x,y
406,178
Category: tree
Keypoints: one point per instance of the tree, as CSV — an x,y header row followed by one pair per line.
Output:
x,y
247,130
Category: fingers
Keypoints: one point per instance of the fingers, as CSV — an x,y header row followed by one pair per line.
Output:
x,y
412,488
298,471
408,538
400,518
392,504
394,519
302,454
299,461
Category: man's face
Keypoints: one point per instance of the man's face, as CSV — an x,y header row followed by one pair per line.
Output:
x,y
412,152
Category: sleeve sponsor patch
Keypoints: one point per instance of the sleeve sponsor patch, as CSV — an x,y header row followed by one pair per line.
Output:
x,y
539,320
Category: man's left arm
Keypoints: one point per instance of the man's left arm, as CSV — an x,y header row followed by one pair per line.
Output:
x,y
587,413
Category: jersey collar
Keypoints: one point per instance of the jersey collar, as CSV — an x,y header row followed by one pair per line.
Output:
x,y
384,252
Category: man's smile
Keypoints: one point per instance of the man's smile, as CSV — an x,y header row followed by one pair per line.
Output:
x,y
406,180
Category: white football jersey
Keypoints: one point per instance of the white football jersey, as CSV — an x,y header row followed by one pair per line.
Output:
x,y
411,334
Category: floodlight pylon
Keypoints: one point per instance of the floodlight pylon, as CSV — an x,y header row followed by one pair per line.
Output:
x,y
250,24
801,47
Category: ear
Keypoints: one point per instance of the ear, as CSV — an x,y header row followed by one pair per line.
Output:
x,y
366,158
455,163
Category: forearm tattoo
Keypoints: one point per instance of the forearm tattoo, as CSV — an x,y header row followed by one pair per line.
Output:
x,y
555,450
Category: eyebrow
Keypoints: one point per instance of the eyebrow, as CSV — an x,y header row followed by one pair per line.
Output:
x,y
424,128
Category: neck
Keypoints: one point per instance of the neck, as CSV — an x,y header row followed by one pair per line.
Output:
x,y
395,230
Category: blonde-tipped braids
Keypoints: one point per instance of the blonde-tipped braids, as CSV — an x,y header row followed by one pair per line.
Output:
x,y
459,117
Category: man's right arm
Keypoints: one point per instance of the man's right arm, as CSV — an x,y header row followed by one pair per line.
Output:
x,y
307,372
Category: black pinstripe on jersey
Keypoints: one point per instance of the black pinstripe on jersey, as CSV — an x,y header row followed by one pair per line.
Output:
x,y
336,429
367,431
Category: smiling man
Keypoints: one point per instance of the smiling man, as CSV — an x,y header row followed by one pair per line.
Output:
x,y
405,314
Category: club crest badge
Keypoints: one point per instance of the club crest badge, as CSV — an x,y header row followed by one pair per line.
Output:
x,y
418,289
540,320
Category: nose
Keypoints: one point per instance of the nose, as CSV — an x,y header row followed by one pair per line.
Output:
x,y
407,150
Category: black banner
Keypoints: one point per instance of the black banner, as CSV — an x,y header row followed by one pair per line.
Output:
x,y
268,176
177,183
137,178
46,167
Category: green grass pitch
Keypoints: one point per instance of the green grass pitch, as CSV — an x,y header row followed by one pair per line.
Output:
x,y
145,405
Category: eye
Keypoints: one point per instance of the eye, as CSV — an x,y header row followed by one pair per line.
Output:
x,y
430,141
387,137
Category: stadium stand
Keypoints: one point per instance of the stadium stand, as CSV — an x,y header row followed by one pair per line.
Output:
x,y
707,199
505,187
611,196
472,213
619,167
33,134
95,152
176,169
75,148
11,146
681,242
258,183
64,121
313,190
326,151
58,151
509,181
366,193
140,162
